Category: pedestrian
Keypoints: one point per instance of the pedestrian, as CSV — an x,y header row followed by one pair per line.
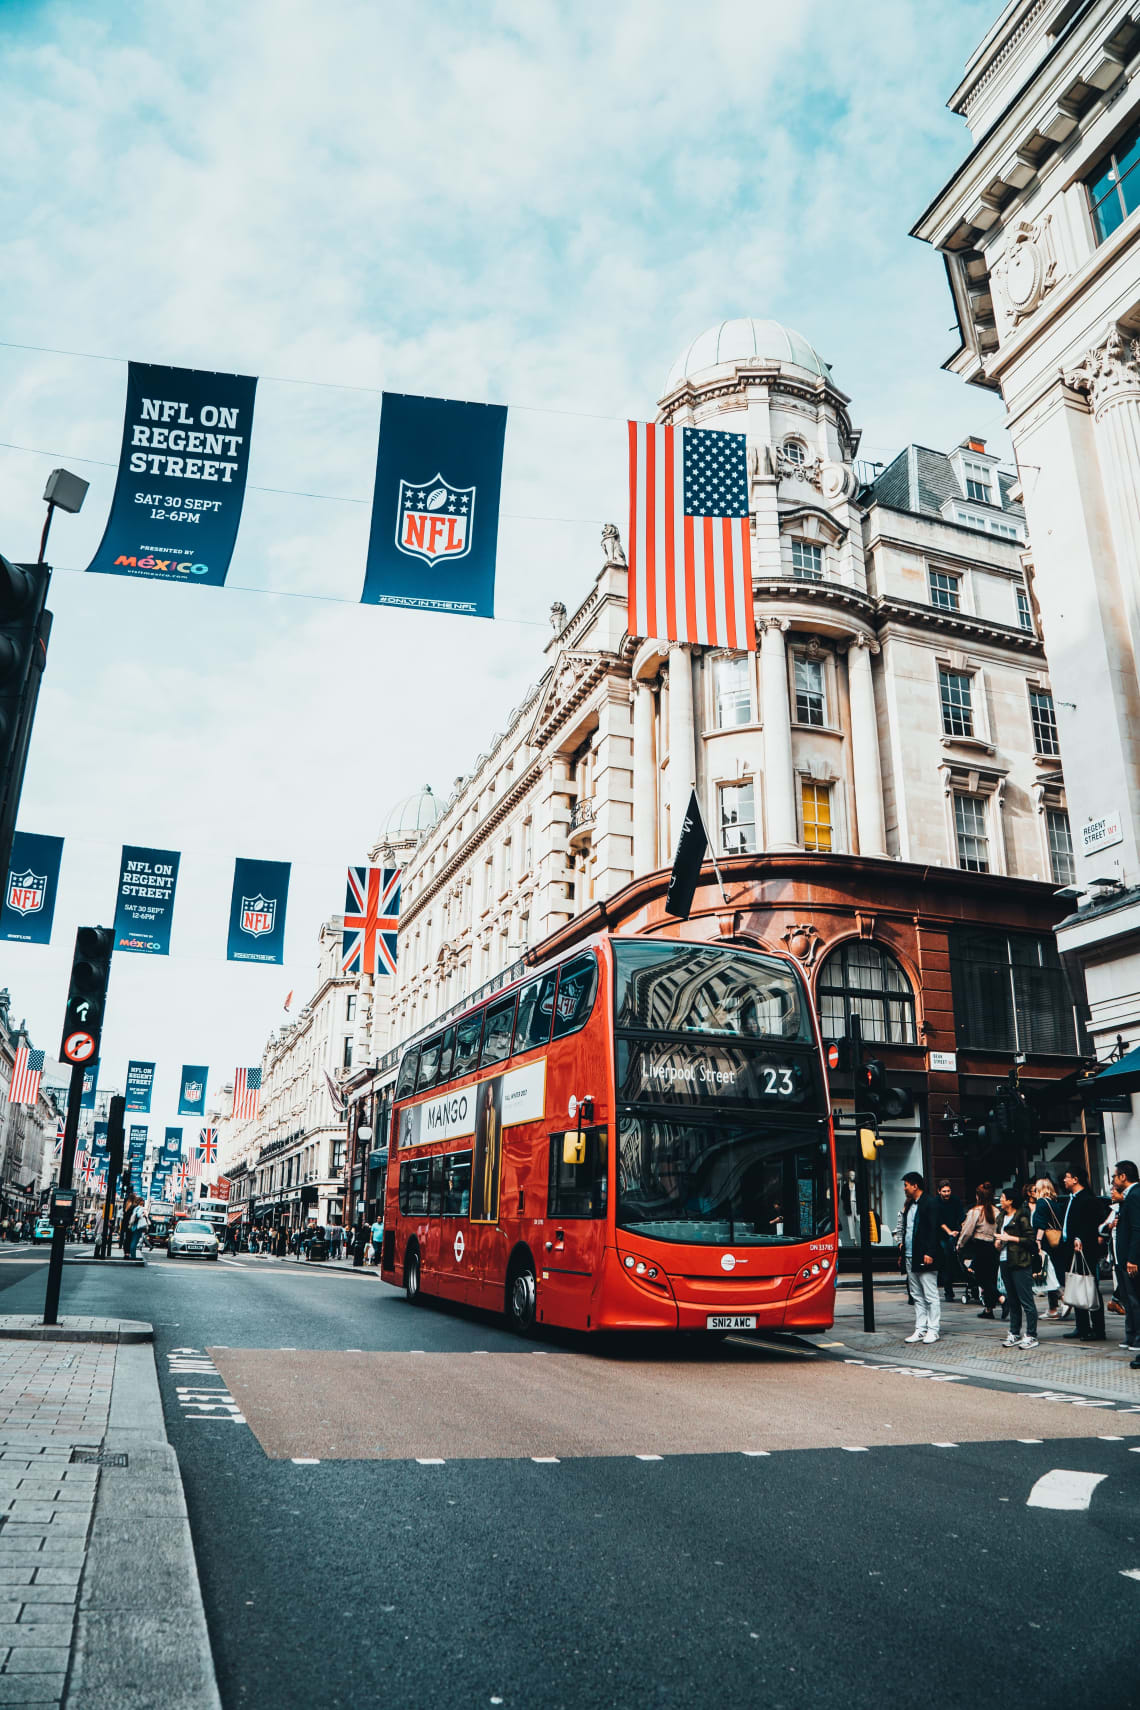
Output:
x,y
976,1240
1080,1235
359,1241
1127,1237
140,1222
951,1215
377,1238
1048,1226
1017,1244
1107,1233
921,1232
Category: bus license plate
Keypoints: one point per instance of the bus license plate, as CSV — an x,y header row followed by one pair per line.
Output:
x,y
730,1321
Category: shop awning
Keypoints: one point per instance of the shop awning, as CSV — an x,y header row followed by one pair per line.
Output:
x,y
1123,1076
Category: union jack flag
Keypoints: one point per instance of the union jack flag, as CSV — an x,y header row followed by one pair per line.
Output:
x,y
27,1071
206,1150
181,1176
86,1165
371,921
60,1129
247,1088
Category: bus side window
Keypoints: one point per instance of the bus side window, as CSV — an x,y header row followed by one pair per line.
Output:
x,y
407,1081
435,1186
497,1033
577,1190
429,1063
457,1185
414,1186
467,1036
446,1052
577,985
536,1011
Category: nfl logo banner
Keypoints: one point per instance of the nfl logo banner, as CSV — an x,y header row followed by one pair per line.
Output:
x,y
29,894
90,1081
181,480
100,1145
435,505
144,907
140,1083
171,1149
192,1097
257,911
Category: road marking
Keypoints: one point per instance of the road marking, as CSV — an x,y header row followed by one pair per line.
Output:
x,y
1031,1439
429,1461
303,1461
649,1457
854,1449
354,1350
1063,1488
757,1454
546,1460
286,1350
943,1445
1130,1573
200,1400
1105,1439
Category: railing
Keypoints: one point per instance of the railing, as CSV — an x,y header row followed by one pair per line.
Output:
x,y
582,813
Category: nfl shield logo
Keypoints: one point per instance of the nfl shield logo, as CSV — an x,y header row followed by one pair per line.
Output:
x,y
434,521
258,915
26,891
193,1091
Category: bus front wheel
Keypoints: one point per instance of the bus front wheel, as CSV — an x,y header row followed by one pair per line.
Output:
x,y
412,1276
521,1294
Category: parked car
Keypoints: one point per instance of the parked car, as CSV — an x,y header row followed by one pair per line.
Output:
x,y
192,1239
42,1230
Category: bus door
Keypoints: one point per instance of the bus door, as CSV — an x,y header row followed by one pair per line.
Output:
x,y
456,1256
574,1232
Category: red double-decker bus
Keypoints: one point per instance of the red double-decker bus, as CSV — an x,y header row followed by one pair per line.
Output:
x,y
634,1136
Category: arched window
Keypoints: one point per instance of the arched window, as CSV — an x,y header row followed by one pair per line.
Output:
x,y
794,450
864,980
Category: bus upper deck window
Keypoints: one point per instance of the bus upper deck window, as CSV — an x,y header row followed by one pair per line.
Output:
x,y
407,1081
467,1036
577,986
429,1063
446,1052
536,1010
497,1033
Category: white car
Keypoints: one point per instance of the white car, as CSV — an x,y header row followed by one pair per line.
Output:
x,y
190,1239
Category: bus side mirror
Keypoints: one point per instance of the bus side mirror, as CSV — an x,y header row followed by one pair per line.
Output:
x,y
869,1143
574,1148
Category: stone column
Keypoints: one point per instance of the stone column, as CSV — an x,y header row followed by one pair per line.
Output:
x,y
779,777
865,747
644,781
682,740
1109,377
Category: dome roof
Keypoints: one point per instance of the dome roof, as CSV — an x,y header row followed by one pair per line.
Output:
x,y
737,341
412,817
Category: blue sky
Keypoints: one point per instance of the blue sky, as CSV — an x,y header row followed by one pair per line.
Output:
x,y
537,204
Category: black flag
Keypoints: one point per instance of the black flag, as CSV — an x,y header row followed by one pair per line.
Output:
x,y
691,847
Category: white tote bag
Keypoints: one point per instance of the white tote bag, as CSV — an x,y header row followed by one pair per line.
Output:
x,y
1080,1286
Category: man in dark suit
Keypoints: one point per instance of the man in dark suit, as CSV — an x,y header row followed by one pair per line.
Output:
x,y
1080,1233
918,1258
1126,1181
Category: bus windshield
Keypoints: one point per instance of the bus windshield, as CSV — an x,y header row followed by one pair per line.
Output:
x,y
707,988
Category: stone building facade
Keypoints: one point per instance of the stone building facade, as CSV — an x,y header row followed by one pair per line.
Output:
x,y
1040,232
27,1131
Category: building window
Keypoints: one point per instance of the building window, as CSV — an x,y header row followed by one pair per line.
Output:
x,y
1044,722
1010,993
970,830
945,590
1024,611
350,1007
794,451
528,846
737,819
1114,187
955,689
1061,861
338,1150
807,561
815,803
346,1055
733,690
863,980
978,483
811,703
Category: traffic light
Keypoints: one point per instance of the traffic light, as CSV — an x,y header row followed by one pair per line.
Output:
x,y
24,630
87,994
870,1085
116,1116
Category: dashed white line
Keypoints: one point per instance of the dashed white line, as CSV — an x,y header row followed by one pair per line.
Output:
x,y
853,1449
757,1454
304,1461
943,1445
1130,1573
1031,1439
430,1461
545,1460
1061,1487
649,1457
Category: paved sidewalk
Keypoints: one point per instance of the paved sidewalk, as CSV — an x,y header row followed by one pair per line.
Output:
x,y
973,1347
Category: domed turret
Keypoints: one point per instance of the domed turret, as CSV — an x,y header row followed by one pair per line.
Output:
x,y
743,340
411,818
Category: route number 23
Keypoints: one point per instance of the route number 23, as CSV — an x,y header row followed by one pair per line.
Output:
x,y
779,1082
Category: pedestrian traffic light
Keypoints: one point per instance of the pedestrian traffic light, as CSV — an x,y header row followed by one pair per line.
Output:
x,y
24,630
87,994
870,1084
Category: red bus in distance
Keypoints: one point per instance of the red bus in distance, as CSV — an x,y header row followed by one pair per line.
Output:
x,y
634,1136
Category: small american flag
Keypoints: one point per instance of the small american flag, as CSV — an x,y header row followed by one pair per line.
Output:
x,y
690,555
247,1086
27,1072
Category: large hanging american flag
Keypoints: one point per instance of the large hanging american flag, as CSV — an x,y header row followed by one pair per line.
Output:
x,y
247,1087
27,1072
371,920
690,554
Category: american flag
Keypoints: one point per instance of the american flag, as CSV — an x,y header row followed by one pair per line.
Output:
x,y
27,1071
247,1086
371,919
690,555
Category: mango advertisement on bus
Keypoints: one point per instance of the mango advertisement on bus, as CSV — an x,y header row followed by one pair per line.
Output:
x,y
482,1111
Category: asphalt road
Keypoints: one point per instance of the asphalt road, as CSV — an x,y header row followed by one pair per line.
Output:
x,y
478,1528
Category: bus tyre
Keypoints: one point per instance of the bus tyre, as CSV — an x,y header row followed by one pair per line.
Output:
x,y
412,1276
521,1292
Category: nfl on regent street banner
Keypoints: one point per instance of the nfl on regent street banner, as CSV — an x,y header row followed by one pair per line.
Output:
x,y
140,1083
435,505
181,480
90,1081
192,1095
29,895
144,906
257,911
